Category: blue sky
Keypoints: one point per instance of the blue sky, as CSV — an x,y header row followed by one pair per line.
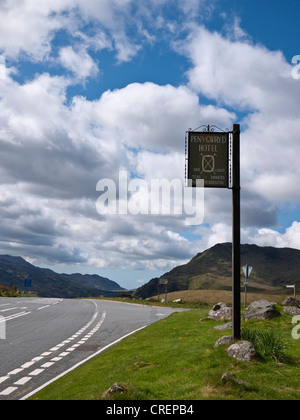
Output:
x,y
95,87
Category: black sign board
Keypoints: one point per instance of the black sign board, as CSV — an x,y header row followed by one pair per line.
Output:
x,y
208,154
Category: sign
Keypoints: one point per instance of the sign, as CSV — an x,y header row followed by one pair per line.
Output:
x,y
247,271
208,154
27,282
163,281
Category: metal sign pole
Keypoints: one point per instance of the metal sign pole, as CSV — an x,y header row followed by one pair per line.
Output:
x,y
236,233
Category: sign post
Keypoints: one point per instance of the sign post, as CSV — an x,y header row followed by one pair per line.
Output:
x,y
208,158
247,271
236,233
27,283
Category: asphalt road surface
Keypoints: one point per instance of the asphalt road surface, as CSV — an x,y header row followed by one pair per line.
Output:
x,y
41,339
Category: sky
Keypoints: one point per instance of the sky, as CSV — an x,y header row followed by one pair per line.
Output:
x,y
96,97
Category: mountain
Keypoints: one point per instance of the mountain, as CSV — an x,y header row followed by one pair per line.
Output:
x,y
273,269
47,283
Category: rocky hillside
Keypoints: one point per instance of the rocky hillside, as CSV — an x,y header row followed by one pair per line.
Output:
x,y
273,269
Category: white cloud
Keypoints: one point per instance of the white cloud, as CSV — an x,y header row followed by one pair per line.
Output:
x,y
79,62
239,74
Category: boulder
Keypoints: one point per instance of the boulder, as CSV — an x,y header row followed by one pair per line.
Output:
x,y
291,310
220,311
261,304
266,313
243,350
291,301
262,309
231,378
117,387
226,339
227,326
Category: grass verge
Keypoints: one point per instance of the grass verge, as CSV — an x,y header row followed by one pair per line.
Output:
x,y
175,359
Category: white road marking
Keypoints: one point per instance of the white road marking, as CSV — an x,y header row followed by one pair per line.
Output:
x,y
40,370
79,364
8,318
47,365
23,381
27,365
8,391
36,372
15,372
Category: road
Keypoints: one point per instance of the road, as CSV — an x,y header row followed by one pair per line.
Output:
x,y
40,339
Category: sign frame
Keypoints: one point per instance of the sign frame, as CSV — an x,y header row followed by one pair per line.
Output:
x,y
208,158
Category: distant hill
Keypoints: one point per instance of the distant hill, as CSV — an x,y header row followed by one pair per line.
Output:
x,y
47,283
273,269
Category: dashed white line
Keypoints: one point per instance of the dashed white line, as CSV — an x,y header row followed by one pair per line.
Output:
x,y
41,369
36,372
47,365
27,365
23,381
8,391
15,372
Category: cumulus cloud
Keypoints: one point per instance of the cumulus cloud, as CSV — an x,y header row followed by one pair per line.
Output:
x,y
79,62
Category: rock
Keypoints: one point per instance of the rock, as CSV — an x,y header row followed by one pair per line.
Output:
x,y
220,311
226,339
261,304
243,350
291,310
291,301
231,378
117,387
266,313
227,326
177,301
262,309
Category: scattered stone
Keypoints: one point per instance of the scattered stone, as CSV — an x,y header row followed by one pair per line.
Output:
x,y
227,326
291,301
220,311
265,314
261,304
291,310
243,350
262,309
117,387
208,318
226,339
231,378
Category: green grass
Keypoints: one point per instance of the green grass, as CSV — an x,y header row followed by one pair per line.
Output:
x,y
175,359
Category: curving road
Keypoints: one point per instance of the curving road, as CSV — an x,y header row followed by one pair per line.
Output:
x,y
40,339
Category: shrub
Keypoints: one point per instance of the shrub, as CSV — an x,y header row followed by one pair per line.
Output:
x,y
267,344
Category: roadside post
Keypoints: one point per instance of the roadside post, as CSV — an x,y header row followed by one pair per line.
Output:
x,y
247,271
28,283
292,286
215,158
163,282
